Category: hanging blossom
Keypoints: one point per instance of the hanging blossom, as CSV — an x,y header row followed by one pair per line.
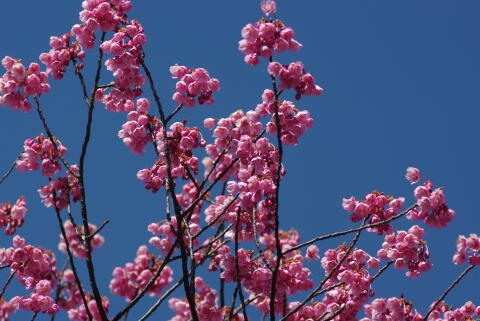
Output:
x,y
39,301
408,250
59,57
41,148
79,313
193,83
377,205
30,264
135,132
353,272
391,309
77,246
444,312
164,237
467,247
206,305
13,216
64,188
127,48
134,276
106,15
294,76
182,141
265,38
19,82
432,207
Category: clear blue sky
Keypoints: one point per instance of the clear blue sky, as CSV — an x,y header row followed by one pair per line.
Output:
x,y
401,89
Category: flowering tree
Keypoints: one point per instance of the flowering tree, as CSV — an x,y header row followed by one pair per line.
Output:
x,y
221,215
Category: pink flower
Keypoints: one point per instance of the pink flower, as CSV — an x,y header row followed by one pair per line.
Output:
x,y
412,175
268,7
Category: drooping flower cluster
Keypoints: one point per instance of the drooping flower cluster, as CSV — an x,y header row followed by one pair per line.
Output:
x,y
106,15
391,309
432,207
12,216
294,76
181,142
60,190
293,122
39,300
134,132
79,313
18,82
265,38
30,264
77,246
43,149
375,205
58,58
443,312
407,250
134,276
127,48
206,305
467,247
70,296
356,280
193,83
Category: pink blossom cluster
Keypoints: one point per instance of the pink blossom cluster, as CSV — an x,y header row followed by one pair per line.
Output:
x,y
8,307
408,250
77,246
356,280
313,311
106,15
70,296
131,279
467,247
127,48
79,313
134,132
432,207
294,76
265,38
43,149
206,305
18,82
13,216
38,301
181,142
391,309
293,122
375,206
63,188
193,82
467,312
30,264
58,58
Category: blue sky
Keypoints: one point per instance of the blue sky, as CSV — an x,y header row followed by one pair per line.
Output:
x,y
401,89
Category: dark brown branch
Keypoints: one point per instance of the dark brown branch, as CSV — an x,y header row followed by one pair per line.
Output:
x,y
9,171
99,228
177,109
4,287
445,293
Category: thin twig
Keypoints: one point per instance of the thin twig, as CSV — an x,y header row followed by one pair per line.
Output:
x,y
9,171
99,228
444,294
4,287
176,110
237,266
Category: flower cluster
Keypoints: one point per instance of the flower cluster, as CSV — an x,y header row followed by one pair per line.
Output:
x,y
134,276
467,312
193,82
467,247
355,278
127,48
294,76
106,15
264,38
30,264
70,296
77,245
59,191
181,141
374,205
432,208
13,216
134,132
407,250
293,122
58,58
38,301
391,309
79,313
41,148
18,82
206,305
